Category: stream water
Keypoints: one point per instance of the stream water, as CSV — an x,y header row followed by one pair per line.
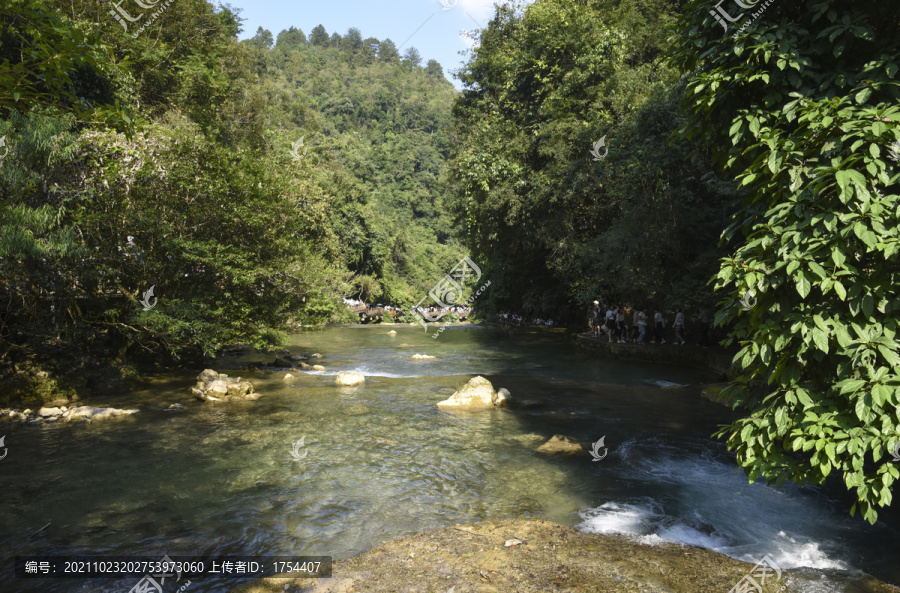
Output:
x,y
384,462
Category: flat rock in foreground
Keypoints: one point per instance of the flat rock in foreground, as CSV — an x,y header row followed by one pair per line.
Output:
x,y
474,558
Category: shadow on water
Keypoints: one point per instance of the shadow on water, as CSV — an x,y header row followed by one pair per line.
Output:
x,y
383,462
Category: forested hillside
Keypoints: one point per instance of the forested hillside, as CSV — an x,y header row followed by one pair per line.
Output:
x,y
250,184
378,123
556,226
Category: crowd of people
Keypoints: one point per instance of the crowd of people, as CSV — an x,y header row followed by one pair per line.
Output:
x,y
505,318
431,313
623,324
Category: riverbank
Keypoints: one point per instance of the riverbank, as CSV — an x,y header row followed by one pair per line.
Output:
x,y
550,557
713,358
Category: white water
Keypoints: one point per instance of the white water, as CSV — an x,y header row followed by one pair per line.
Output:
x,y
724,514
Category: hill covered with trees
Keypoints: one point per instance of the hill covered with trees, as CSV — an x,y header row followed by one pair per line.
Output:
x,y
250,184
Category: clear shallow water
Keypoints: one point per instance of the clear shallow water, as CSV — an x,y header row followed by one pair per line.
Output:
x,y
383,462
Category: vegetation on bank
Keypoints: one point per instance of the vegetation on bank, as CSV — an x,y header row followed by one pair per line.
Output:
x,y
797,112
250,184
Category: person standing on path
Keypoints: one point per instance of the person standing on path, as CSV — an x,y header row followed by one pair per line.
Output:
x,y
641,317
633,323
611,321
621,324
659,327
679,327
596,318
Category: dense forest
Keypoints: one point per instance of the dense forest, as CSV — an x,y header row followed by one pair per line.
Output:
x,y
622,149
251,184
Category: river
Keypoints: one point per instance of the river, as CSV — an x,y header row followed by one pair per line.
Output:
x,y
382,462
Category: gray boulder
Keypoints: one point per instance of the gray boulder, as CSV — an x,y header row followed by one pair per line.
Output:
x,y
212,386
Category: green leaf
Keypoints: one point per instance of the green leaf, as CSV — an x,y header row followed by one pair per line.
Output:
x,y
840,290
868,306
863,95
820,339
803,285
889,355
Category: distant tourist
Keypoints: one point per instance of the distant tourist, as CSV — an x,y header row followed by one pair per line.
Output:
x,y
611,321
595,318
642,325
632,316
679,327
621,326
660,326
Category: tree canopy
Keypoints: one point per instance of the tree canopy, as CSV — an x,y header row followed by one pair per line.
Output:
x,y
800,104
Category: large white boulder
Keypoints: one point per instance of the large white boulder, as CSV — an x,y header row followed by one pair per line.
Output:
x,y
349,379
89,413
477,394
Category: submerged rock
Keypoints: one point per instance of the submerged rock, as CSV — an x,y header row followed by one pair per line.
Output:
x,y
560,443
477,394
349,379
423,357
212,386
393,332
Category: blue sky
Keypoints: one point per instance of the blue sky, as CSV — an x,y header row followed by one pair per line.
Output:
x,y
437,33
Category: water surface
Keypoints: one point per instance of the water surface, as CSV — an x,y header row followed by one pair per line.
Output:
x,y
384,462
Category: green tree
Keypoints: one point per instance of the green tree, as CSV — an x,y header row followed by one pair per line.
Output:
x,y
291,39
554,226
411,58
54,65
800,105
319,36
263,39
434,69
387,51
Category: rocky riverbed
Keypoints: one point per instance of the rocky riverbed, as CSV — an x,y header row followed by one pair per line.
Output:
x,y
480,558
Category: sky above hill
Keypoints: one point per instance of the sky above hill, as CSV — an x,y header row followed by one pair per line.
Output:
x,y
439,29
